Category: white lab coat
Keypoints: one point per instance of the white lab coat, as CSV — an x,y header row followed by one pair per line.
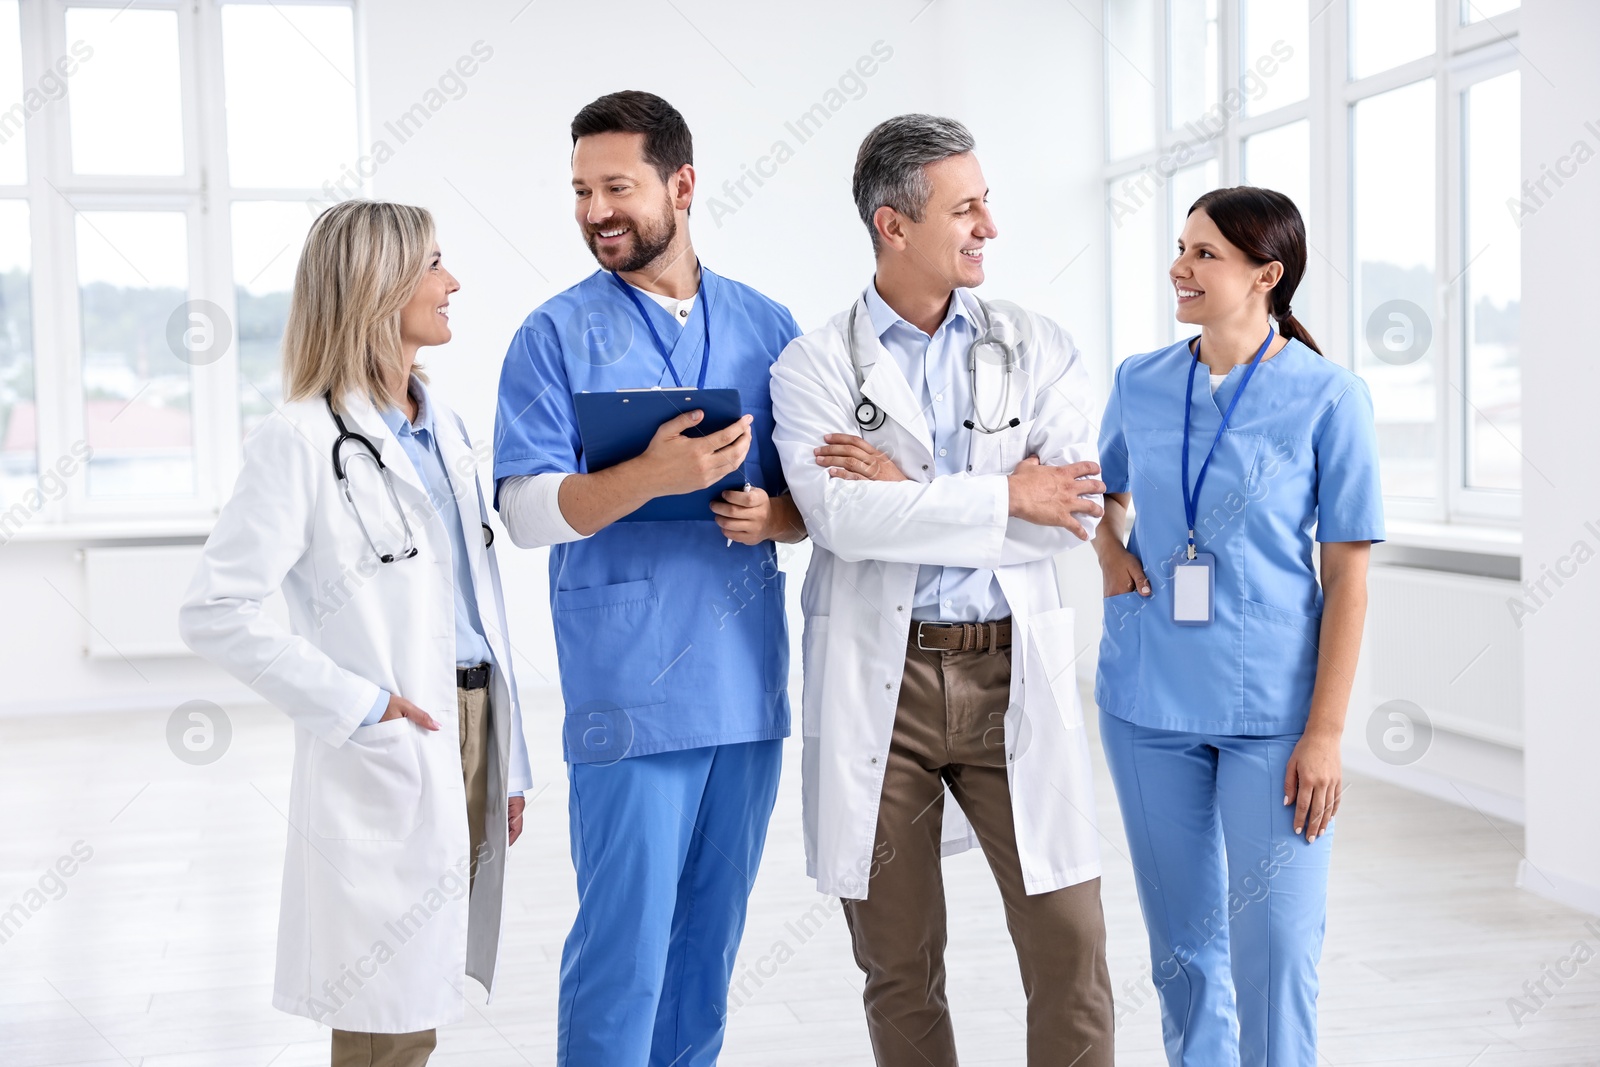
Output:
x,y
870,538
375,931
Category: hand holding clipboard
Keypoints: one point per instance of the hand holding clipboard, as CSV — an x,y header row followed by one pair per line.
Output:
x,y
696,441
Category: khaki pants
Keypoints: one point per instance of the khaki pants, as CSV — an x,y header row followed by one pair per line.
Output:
x,y
472,706
351,1049
383,1050
949,728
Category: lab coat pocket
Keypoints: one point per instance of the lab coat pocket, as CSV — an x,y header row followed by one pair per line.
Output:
x,y
1282,667
813,655
610,644
370,787
775,632
1001,451
1052,634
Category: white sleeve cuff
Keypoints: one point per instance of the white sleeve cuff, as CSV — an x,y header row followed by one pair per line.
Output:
x,y
531,510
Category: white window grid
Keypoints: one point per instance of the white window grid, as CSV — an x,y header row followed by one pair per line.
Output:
x,y
1466,55
55,194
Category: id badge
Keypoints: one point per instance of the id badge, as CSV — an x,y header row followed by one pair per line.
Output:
x,y
1194,585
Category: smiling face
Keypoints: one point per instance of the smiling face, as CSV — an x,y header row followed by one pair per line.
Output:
x,y
1214,280
425,320
628,216
956,224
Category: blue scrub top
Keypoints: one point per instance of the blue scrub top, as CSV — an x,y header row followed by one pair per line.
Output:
x,y
667,638
1300,455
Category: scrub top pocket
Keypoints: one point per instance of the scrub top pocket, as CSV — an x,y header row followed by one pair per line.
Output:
x,y
1117,676
1281,670
775,628
610,641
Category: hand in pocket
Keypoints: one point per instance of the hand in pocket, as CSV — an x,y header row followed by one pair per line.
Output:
x,y
1121,572
400,707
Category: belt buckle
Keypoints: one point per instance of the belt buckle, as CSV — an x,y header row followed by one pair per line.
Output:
x,y
922,647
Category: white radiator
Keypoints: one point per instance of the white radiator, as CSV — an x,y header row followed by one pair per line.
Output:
x,y
1447,643
132,597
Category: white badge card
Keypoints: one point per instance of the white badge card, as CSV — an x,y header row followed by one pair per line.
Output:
x,y
1194,589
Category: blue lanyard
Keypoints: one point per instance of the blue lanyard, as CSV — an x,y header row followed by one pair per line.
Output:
x,y
1191,500
661,346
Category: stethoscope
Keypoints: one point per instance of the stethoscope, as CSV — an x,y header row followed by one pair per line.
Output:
x,y
369,451
869,416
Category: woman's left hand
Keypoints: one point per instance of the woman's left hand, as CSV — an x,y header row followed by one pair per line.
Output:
x,y
1314,783
514,808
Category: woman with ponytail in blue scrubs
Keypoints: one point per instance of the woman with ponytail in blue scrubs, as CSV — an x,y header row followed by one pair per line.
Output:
x,y
1225,665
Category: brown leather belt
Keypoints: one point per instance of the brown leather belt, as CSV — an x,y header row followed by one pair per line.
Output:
x,y
963,636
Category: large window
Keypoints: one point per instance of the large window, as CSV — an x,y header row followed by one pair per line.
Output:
x,y
1200,93
1393,125
159,168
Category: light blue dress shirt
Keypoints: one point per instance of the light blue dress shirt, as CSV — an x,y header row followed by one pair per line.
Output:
x,y
419,441
936,368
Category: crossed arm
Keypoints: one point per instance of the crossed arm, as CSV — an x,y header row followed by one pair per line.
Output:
x,y
1035,493
859,504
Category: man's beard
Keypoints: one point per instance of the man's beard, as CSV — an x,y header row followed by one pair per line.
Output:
x,y
649,241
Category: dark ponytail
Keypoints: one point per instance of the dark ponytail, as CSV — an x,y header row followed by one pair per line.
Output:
x,y
1267,227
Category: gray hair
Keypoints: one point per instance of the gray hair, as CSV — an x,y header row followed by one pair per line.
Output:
x,y
890,164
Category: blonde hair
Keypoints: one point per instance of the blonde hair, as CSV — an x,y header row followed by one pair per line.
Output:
x,y
362,261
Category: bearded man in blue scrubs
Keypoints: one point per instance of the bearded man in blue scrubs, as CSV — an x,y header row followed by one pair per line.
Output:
x,y
671,637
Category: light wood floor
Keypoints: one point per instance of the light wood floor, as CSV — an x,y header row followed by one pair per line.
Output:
x,y
160,951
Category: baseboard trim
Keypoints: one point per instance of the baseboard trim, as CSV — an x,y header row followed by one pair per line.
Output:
x,y
227,696
1559,888
1451,790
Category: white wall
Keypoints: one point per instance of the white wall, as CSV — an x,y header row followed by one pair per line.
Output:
x,y
1561,439
43,636
494,164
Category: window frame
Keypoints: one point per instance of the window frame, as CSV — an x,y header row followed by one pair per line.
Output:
x,y
1466,54
1487,62
203,193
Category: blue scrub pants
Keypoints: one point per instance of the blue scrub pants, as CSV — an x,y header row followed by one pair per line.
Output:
x,y
666,848
1234,901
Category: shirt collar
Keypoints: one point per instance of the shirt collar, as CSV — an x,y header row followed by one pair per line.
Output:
x,y
885,318
396,420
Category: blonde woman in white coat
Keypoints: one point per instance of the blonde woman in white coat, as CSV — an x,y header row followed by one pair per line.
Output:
x,y
359,499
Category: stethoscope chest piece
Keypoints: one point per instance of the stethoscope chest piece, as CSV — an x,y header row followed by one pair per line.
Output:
x,y
870,416
990,347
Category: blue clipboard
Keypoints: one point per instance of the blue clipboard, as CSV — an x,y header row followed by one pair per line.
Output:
x,y
618,426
